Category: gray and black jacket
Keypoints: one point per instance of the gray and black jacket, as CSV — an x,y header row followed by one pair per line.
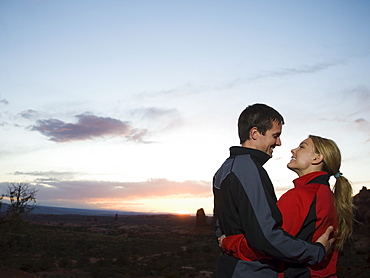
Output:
x,y
245,203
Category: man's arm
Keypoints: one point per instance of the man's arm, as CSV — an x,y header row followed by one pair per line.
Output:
x,y
257,214
237,246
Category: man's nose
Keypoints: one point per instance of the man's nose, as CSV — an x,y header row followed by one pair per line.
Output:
x,y
278,141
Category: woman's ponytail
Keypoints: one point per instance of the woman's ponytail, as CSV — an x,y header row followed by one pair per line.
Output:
x,y
342,188
344,206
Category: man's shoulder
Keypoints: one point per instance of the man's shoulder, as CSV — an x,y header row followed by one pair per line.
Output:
x,y
258,156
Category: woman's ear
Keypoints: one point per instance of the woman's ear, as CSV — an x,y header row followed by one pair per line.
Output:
x,y
318,158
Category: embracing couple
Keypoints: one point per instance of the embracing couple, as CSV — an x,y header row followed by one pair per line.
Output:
x,y
298,235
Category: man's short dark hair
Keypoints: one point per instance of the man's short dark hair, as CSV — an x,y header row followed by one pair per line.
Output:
x,y
257,115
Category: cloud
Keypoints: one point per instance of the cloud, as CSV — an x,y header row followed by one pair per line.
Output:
x,y
88,127
153,112
52,175
180,91
120,195
28,114
361,121
158,118
354,104
358,98
136,196
283,72
152,188
303,70
364,125
4,101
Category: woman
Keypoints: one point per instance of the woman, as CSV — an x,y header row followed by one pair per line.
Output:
x,y
310,207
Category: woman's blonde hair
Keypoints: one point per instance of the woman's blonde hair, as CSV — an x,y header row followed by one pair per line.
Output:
x,y
342,188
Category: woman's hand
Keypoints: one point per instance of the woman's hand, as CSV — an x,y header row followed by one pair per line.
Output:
x,y
220,239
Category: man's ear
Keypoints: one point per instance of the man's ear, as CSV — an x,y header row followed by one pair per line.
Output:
x,y
253,133
317,159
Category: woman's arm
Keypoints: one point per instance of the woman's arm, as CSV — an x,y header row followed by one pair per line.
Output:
x,y
237,246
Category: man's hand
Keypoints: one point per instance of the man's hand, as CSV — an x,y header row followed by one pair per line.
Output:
x,y
325,239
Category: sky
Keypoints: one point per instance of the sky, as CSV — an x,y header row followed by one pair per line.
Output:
x,y
133,105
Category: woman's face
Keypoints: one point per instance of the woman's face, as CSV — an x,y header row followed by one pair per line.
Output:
x,y
304,158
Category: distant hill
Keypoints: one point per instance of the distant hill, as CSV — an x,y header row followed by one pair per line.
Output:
x,y
76,211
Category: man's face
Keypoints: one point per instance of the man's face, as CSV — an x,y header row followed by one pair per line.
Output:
x,y
270,140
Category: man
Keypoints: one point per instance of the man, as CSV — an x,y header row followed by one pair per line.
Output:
x,y
245,201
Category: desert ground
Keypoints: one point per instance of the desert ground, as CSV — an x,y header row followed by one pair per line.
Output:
x,y
127,246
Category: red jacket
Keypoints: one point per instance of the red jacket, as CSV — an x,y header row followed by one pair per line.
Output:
x,y
308,210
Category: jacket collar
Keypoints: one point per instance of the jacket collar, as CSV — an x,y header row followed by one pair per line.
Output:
x,y
314,177
260,156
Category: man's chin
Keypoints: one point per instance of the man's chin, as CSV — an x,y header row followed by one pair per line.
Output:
x,y
268,152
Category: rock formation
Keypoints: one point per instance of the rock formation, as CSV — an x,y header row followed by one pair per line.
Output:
x,y
361,228
201,218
